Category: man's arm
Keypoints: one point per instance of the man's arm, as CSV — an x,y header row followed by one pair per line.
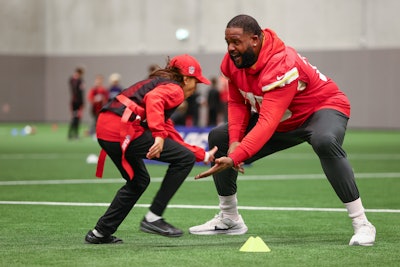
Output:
x,y
273,107
238,114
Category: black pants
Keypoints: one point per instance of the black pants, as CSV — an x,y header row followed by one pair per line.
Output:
x,y
324,131
73,131
181,161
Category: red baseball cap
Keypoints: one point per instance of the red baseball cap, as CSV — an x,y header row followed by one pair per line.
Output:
x,y
188,66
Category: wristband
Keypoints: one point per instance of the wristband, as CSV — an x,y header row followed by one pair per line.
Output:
x,y
206,157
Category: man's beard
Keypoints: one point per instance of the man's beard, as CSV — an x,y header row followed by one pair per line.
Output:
x,y
248,59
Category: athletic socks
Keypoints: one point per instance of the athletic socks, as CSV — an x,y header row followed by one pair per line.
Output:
x,y
97,234
228,206
151,217
356,210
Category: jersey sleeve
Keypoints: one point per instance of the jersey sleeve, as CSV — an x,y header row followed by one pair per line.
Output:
x,y
157,101
174,135
238,114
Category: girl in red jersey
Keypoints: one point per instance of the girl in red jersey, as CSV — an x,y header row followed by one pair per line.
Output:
x,y
137,125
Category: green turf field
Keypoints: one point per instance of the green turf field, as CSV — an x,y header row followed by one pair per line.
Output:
x,y
49,199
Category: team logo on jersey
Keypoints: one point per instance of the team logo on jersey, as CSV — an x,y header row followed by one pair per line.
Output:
x,y
283,80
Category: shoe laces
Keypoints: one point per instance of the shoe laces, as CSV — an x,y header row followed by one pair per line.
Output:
x,y
218,217
363,227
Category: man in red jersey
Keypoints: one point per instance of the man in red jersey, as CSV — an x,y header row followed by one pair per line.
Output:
x,y
277,100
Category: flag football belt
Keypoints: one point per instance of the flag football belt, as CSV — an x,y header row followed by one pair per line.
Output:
x,y
131,108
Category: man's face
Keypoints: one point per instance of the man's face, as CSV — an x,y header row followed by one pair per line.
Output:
x,y
241,47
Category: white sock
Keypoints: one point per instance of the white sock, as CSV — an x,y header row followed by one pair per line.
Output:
x,y
356,210
96,233
151,217
228,206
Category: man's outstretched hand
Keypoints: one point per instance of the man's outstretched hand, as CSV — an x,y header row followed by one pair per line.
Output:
x,y
221,164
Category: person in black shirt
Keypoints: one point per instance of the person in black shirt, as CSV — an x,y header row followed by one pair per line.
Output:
x,y
76,87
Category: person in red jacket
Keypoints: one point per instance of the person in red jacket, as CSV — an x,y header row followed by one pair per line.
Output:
x,y
278,100
137,125
97,96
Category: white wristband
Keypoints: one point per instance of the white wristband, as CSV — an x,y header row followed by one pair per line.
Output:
x,y
206,157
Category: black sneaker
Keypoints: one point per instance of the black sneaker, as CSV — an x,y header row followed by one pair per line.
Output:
x,y
160,227
90,238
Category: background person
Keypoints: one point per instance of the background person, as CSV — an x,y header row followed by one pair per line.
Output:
x,y
213,102
293,103
115,87
98,97
77,87
193,110
144,130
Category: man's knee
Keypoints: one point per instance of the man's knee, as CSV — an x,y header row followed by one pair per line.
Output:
x,y
217,136
327,145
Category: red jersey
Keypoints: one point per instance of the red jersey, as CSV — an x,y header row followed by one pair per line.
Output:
x,y
98,96
158,99
283,87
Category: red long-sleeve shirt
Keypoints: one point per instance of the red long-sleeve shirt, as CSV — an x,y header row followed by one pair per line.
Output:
x,y
283,87
155,102
97,96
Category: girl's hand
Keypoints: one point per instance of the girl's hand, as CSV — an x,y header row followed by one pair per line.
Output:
x,y
156,149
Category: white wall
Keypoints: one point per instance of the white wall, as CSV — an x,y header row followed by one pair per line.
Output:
x,y
356,42
114,27
22,27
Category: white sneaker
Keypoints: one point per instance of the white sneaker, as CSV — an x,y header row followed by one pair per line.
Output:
x,y
364,233
220,225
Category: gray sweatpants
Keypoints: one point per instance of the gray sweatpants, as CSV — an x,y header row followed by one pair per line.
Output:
x,y
324,131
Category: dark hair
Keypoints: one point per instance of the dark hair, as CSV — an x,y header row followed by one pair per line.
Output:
x,y
247,23
153,67
171,73
214,80
79,70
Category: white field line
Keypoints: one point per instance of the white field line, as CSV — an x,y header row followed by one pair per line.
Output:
x,y
83,204
285,156
191,179
246,178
